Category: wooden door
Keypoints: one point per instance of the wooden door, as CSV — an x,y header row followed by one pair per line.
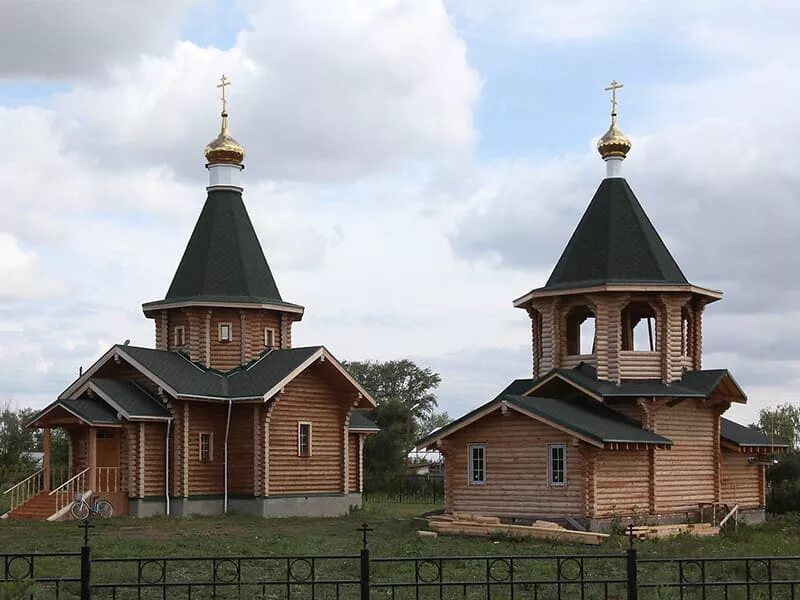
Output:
x,y
107,448
107,465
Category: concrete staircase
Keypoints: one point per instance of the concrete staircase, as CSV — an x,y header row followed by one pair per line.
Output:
x,y
38,508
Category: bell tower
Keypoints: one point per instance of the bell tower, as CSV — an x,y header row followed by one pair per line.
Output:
x,y
617,299
223,308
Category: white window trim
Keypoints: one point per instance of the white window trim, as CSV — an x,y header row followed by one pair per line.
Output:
x,y
230,332
210,435
310,437
182,330
470,481
267,331
550,481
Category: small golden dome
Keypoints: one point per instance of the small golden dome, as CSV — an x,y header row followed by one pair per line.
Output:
x,y
614,143
224,149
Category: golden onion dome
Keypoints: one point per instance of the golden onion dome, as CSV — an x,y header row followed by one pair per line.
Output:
x,y
224,149
614,143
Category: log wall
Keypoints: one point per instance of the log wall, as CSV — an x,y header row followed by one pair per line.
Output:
x,y
685,474
516,469
622,483
241,450
206,477
201,328
741,481
309,398
353,461
154,461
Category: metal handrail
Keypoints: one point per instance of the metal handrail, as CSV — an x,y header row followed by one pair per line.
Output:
x,y
70,480
16,485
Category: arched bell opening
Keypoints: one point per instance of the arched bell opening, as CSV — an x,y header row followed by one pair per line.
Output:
x,y
581,338
639,328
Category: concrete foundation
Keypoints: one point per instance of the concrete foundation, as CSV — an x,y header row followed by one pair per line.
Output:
x,y
311,505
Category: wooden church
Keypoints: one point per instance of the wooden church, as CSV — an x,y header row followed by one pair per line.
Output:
x,y
621,422
224,413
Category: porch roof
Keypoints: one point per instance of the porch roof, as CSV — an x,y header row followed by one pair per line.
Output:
x,y
742,436
92,411
132,400
360,422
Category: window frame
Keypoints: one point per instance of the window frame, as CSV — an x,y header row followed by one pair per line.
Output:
x,y
471,466
551,470
230,332
182,330
210,436
270,331
300,425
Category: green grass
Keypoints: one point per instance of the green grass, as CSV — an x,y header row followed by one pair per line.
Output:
x,y
395,528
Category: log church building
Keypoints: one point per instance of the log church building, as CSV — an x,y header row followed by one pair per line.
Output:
x,y
224,413
619,420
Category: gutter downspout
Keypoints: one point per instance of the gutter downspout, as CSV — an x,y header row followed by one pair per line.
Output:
x,y
227,430
166,468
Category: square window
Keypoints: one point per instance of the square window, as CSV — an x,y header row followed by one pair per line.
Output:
x,y
206,447
225,332
269,337
179,336
477,464
304,439
557,464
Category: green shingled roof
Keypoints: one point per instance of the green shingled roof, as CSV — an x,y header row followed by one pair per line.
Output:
x,y
133,401
358,420
191,379
584,417
589,419
223,261
693,384
615,243
740,435
91,410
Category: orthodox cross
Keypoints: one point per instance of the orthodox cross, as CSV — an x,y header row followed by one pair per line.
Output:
x,y
364,529
613,87
86,526
224,82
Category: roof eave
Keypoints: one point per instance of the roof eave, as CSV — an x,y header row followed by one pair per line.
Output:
x,y
545,292
148,307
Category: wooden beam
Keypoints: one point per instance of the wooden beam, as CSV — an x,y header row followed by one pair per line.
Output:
x,y
46,459
91,457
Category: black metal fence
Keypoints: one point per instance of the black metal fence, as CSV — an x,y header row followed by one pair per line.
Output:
x,y
410,489
620,575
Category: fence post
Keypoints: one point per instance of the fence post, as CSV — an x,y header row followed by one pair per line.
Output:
x,y
633,575
364,575
86,562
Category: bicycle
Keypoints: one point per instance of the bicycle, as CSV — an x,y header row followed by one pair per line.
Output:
x,y
81,509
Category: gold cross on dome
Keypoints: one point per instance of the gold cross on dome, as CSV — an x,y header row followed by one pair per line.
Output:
x,y
224,82
613,87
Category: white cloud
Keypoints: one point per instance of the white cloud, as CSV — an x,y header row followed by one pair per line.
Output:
x,y
320,91
76,38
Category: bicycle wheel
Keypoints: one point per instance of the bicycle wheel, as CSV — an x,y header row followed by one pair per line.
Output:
x,y
79,510
104,508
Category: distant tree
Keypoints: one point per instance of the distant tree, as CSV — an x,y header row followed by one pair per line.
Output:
x,y
406,408
15,439
434,421
782,423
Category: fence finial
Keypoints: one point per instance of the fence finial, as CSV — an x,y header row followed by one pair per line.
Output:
x,y
631,537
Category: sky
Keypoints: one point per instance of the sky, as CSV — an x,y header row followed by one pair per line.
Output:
x,y
412,167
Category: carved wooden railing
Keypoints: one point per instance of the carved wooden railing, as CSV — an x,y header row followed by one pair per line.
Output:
x,y
106,480
26,489
65,493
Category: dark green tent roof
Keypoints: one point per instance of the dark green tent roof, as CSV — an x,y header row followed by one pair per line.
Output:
x,y
223,261
615,243
131,398
740,435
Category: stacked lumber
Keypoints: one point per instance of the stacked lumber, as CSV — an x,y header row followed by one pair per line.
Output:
x,y
662,531
485,526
